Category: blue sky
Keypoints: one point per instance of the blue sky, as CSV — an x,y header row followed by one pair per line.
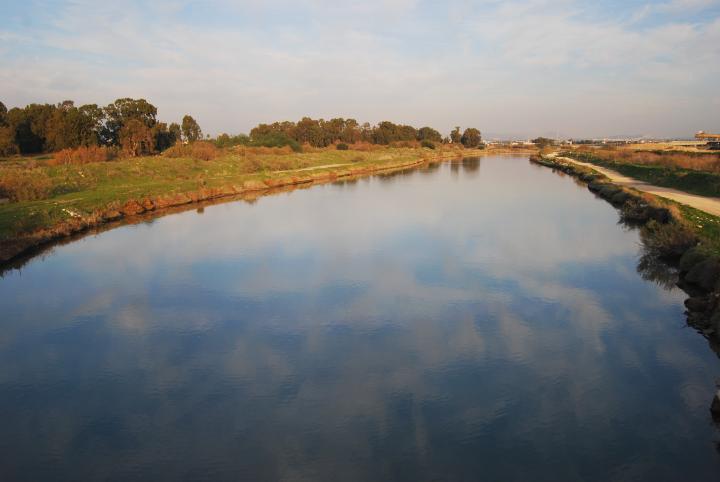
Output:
x,y
512,68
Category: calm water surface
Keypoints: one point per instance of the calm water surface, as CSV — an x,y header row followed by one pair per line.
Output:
x,y
476,320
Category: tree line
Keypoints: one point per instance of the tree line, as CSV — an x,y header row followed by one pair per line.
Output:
x,y
322,133
127,124
131,125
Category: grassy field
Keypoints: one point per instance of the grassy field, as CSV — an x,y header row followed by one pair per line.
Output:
x,y
51,195
690,172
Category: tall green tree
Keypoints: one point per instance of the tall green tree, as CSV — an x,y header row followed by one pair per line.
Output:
x,y
175,131
136,138
190,129
455,136
3,115
543,142
122,111
471,137
429,134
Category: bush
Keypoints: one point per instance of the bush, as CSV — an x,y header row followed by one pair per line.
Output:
x,y
427,144
25,184
276,140
342,147
83,155
202,150
670,240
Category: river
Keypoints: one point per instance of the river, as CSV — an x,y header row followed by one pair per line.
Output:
x,y
481,319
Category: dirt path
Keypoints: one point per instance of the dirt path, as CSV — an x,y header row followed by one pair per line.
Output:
x,y
710,205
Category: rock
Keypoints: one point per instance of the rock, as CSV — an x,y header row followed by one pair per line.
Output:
x,y
704,274
660,215
715,406
595,186
620,198
148,204
131,208
173,200
692,257
273,182
111,215
696,304
254,185
608,191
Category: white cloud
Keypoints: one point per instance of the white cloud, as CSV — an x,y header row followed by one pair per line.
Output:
x,y
491,64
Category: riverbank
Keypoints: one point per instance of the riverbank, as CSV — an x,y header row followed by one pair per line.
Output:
x,y
710,205
670,233
663,172
89,195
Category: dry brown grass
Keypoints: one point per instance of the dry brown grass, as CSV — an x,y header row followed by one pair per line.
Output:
x,y
263,151
205,151
83,155
25,184
696,162
365,147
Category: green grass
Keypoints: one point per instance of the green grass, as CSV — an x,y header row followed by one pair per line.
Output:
x,y
688,180
705,225
86,188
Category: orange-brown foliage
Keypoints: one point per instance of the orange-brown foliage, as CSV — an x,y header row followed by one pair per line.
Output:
x,y
704,162
25,184
205,151
83,155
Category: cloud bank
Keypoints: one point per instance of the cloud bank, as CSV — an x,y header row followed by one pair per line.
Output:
x,y
512,68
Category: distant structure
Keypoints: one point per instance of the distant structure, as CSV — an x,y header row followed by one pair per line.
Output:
x,y
713,140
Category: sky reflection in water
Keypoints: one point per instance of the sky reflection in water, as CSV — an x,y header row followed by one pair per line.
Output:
x,y
481,319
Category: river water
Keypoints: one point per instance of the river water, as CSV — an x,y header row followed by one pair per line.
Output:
x,y
480,319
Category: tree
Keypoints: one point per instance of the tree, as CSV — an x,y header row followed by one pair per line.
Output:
x,y
429,134
471,137
7,142
3,115
543,142
136,138
123,110
190,129
162,136
455,135
175,131
351,132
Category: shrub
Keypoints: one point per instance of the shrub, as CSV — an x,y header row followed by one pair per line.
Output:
x,y
427,144
25,184
670,240
202,150
342,147
83,155
276,140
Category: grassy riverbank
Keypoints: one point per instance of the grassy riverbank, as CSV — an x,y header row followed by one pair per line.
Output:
x,y
58,200
692,173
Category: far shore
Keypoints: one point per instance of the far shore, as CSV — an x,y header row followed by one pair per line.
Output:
x,y
121,190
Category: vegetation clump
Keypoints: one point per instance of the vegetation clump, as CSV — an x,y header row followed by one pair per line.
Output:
x,y
204,151
130,125
84,155
342,147
25,185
